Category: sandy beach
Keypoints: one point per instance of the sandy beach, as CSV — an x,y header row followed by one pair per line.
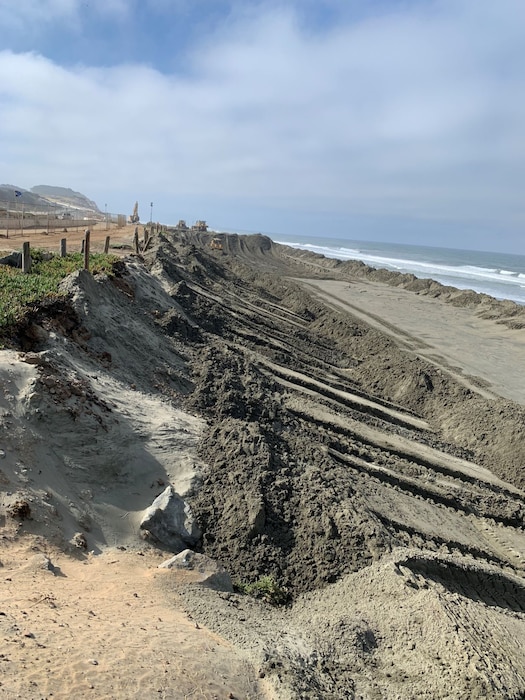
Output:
x,y
479,352
356,442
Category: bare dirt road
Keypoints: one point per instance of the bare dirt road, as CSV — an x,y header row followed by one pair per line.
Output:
x,y
121,239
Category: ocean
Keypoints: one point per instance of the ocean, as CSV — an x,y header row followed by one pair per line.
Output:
x,y
501,275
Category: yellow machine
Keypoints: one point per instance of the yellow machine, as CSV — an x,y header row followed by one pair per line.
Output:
x,y
216,244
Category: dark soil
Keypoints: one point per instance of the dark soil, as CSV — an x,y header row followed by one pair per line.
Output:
x,y
292,487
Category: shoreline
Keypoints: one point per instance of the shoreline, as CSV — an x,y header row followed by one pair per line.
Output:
x,y
498,275
506,311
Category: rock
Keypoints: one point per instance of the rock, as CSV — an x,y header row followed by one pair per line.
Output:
x,y
32,358
40,562
19,509
13,260
169,520
211,573
79,540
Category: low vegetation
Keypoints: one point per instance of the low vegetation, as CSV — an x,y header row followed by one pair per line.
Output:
x,y
20,292
266,588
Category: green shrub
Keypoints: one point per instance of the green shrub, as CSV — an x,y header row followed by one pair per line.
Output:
x,y
266,588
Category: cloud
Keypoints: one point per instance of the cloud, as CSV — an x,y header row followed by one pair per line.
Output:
x,y
414,113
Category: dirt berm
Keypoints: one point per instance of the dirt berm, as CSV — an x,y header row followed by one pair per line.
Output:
x,y
380,491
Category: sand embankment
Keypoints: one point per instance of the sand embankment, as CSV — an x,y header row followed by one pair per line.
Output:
x,y
347,437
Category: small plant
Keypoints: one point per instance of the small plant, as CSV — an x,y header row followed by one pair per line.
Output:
x,y
19,291
266,588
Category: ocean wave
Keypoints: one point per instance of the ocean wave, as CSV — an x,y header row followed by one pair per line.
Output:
x,y
500,283
328,252
429,268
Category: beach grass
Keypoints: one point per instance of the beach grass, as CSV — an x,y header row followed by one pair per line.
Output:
x,y
21,292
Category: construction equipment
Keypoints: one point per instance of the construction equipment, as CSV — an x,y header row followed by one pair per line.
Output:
x,y
216,244
135,218
200,226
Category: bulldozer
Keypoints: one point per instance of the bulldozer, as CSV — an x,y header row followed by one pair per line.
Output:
x,y
135,218
216,243
201,226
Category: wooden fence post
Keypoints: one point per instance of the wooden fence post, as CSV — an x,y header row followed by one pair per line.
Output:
x,y
136,241
86,249
63,247
26,257
106,245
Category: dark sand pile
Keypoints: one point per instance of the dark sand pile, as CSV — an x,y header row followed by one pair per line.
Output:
x,y
381,491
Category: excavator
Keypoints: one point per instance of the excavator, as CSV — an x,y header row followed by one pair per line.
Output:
x,y
135,218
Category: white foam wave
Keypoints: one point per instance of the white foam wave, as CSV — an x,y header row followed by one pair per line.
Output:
x,y
499,283
338,253
427,269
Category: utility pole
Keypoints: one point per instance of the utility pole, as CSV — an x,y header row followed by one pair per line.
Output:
x,y
106,215
151,213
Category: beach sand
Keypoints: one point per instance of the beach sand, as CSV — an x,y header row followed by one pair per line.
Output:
x,y
101,628
477,351
358,442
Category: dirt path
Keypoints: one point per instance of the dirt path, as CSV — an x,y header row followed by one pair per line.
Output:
x,y
121,239
101,627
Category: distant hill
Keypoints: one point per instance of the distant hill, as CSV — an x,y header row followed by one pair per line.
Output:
x,y
42,197
30,199
66,197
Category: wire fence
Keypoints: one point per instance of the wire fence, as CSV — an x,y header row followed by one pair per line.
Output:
x,y
17,220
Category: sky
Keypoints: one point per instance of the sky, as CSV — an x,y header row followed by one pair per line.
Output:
x,y
388,120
